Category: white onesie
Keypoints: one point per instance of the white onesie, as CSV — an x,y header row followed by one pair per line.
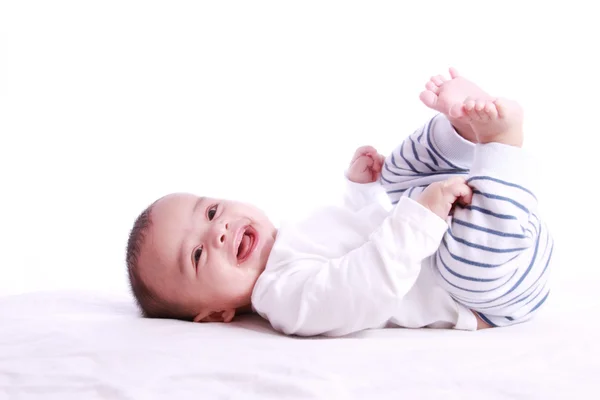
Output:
x,y
358,266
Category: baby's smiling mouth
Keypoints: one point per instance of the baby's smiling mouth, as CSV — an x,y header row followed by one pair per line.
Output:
x,y
246,245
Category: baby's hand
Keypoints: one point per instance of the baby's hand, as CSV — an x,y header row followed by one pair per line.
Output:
x,y
439,197
365,166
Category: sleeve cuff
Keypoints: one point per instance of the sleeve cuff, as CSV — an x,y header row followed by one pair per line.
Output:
x,y
421,217
447,141
362,194
466,320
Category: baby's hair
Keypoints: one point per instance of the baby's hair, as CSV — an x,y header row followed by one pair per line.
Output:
x,y
141,292
150,304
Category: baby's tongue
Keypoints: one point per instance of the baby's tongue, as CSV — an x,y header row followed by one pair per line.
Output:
x,y
245,243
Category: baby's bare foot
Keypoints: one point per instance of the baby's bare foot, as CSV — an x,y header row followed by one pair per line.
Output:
x,y
492,120
441,94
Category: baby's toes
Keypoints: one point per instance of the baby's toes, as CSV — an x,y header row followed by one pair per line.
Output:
x,y
490,110
480,109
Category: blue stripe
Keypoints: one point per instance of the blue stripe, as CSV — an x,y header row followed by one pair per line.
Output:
x,y
414,149
386,168
471,290
483,317
426,174
421,135
534,227
538,294
489,178
467,278
432,157
417,174
427,165
465,289
433,148
386,181
475,263
510,302
496,197
488,212
410,191
405,160
540,303
537,245
486,230
481,247
393,160
397,191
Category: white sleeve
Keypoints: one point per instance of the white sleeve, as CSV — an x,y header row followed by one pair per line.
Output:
x,y
312,295
360,195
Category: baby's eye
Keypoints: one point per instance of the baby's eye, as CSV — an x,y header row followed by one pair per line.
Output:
x,y
197,254
211,212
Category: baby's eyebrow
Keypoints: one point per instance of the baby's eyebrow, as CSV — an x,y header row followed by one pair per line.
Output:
x,y
198,202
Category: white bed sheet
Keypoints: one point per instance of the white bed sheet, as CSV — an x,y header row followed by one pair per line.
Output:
x,y
70,345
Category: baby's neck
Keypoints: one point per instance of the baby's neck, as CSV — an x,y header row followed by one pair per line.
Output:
x,y
248,309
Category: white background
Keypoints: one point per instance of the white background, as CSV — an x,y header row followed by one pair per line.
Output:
x,y
107,105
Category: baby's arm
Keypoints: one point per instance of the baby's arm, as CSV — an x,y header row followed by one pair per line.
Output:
x,y
433,153
314,295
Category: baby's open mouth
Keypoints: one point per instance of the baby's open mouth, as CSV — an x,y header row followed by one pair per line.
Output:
x,y
246,244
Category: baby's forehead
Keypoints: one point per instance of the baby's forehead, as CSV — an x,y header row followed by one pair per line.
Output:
x,y
178,198
171,218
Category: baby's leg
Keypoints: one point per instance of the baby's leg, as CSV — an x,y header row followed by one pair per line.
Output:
x,y
494,258
442,148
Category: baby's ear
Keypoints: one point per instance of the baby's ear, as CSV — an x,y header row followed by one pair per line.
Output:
x,y
215,316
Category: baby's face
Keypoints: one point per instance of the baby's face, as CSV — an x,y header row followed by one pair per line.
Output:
x,y
205,254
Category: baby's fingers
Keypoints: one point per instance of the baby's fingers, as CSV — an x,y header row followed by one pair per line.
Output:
x,y
378,162
458,189
363,163
362,151
466,195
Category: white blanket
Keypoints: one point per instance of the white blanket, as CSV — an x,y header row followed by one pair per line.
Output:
x,y
67,345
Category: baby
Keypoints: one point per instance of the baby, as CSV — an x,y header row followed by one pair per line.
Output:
x,y
443,233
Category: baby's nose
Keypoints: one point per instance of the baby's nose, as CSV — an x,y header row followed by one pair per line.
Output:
x,y
222,235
